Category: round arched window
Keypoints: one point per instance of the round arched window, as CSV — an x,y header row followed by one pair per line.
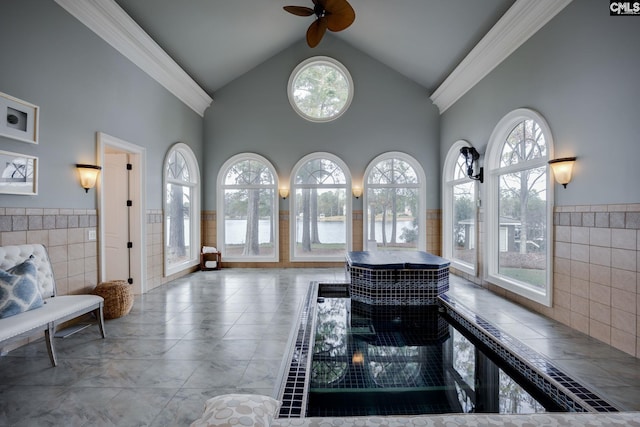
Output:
x,y
320,89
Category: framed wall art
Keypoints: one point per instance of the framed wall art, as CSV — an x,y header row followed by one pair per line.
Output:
x,y
18,119
18,173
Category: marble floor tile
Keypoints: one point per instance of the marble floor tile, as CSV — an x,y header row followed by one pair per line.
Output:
x,y
217,374
163,373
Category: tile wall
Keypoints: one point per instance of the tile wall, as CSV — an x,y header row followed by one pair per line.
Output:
x,y
596,273
65,233
74,258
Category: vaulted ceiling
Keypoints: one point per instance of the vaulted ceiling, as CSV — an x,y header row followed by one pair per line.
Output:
x,y
215,41
195,47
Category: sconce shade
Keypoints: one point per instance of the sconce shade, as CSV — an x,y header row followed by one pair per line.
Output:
x,y
88,175
284,192
357,192
562,169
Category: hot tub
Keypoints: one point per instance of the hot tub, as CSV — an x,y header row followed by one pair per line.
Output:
x,y
397,277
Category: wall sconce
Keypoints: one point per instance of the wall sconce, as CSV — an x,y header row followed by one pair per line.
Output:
x,y
562,169
88,175
357,192
471,156
284,193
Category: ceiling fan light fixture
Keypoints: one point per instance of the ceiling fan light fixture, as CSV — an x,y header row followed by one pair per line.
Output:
x,y
332,15
316,31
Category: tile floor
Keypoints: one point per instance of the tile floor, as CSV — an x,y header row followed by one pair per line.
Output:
x,y
225,331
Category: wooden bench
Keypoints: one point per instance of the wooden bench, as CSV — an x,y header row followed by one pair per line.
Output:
x,y
55,310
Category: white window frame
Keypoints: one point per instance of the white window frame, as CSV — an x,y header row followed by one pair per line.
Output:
x,y
421,186
348,208
221,187
492,162
319,60
449,182
194,206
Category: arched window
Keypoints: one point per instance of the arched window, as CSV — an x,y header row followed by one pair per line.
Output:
x,y
519,209
181,209
394,200
459,212
248,209
320,209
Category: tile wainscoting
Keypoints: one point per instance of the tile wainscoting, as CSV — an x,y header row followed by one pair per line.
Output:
x,y
596,273
65,233
74,258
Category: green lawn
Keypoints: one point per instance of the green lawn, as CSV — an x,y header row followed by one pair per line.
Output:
x,y
533,277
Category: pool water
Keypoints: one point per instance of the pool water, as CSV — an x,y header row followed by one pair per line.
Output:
x,y
349,358
403,361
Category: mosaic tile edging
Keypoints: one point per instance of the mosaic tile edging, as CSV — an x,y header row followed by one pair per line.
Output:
x,y
564,390
397,286
292,391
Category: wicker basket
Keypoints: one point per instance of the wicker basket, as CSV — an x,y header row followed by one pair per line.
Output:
x,y
118,298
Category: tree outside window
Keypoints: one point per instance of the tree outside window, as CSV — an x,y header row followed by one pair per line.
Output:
x,y
248,209
464,214
321,205
523,205
459,212
182,209
519,208
393,208
320,89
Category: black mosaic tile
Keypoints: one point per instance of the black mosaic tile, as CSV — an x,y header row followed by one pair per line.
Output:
x,y
568,393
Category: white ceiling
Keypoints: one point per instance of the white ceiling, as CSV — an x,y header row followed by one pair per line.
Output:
x,y
216,41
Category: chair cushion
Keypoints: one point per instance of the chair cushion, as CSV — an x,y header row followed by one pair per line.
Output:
x,y
19,289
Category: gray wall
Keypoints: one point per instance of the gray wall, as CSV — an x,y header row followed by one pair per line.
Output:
x,y
82,86
581,72
388,113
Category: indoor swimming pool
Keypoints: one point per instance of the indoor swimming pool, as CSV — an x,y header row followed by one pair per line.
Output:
x,y
347,358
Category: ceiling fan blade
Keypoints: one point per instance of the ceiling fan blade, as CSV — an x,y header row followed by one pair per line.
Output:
x,y
299,10
316,31
340,14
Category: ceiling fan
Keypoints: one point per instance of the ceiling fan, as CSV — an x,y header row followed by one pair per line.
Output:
x,y
332,15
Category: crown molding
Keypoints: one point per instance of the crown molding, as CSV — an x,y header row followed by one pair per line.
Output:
x,y
113,25
520,22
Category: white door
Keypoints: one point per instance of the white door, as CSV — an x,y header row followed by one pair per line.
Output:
x,y
113,211
116,233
